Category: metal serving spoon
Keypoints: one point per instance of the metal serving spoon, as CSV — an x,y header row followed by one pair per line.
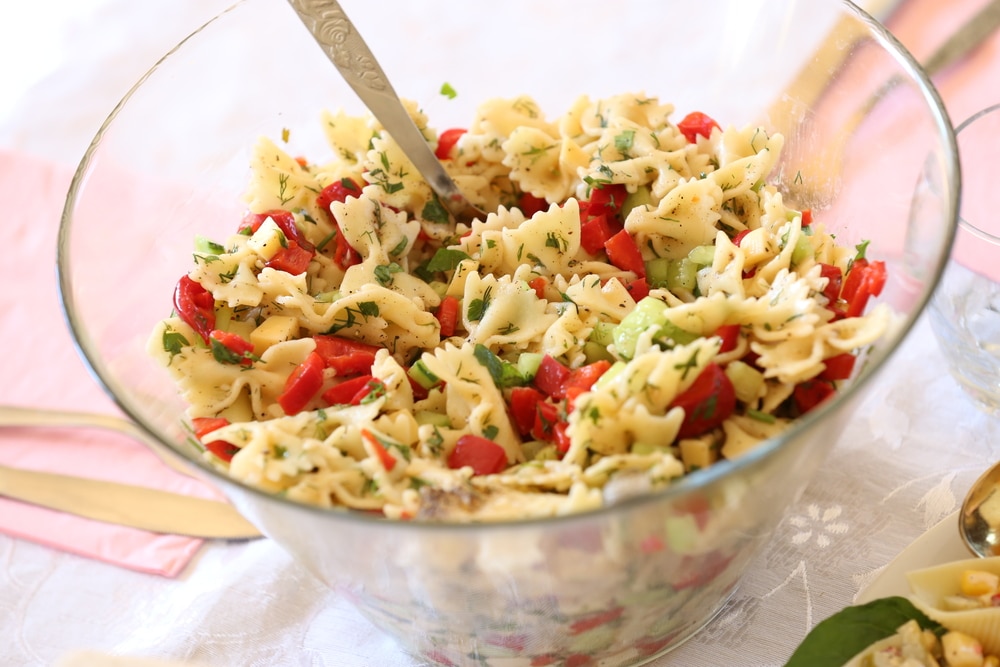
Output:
x,y
343,45
979,519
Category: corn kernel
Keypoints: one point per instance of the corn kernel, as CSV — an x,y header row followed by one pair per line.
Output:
x,y
979,582
961,650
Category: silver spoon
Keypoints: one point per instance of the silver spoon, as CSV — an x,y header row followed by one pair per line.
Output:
x,y
343,45
979,519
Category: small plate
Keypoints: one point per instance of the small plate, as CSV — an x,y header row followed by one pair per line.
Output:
x,y
940,544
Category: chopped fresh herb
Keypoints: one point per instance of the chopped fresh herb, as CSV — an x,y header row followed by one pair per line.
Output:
x,y
504,373
478,306
446,259
173,342
383,273
761,416
624,141
448,91
434,211
285,133
491,431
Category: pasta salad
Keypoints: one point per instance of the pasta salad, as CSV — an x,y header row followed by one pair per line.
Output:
x,y
639,303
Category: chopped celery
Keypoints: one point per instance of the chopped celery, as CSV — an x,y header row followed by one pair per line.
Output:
x,y
207,246
747,380
643,448
610,374
432,418
803,249
328,297
223,316
440,288
702,255
641,197
682,533
682,274
528,363
532,448
658,271
649,312
422,375
596,352
603,333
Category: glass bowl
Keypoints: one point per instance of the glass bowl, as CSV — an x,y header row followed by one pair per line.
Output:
x,y
615,586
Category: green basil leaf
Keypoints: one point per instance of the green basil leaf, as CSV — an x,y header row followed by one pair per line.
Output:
x,y
850,631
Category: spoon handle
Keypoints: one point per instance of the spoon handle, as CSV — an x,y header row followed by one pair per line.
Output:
x,y
343,45
16,416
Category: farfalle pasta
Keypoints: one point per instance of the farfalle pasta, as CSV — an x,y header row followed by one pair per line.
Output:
x,y
638,303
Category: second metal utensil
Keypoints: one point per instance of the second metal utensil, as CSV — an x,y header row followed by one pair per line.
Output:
x,y
343,45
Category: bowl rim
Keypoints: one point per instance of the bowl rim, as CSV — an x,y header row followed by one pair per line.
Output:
x,y
689,482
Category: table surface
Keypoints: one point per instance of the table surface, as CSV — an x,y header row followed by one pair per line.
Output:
x,y
902,465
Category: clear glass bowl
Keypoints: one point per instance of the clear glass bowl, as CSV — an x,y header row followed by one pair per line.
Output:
x,y
171,162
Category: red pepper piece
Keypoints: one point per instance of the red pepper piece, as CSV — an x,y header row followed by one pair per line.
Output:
x,y
293,260
202,426
707,402
539,284
638,289
807,395
696,123
195,305
238,345
853,279
485,457
871,282
738,239
524,406
834,281
447,141
224,450
530,204
344,256
447,315
283,219
807,217
388,460
349,392
607,199
562,437
699,570
838,367
302,385
337,191
551,377
595,620
344,355
624,253
584,377
730,335
594,233
546,418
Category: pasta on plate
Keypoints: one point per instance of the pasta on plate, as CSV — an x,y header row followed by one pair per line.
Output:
x,y
638,304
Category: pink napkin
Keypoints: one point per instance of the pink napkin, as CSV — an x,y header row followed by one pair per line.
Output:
x,y
41,368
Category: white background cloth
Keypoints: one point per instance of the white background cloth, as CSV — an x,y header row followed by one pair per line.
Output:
x,y
904,463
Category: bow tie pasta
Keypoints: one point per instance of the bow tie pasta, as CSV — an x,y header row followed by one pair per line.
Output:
x,y
638,304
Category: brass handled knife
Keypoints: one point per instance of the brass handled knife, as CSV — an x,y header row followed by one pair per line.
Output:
x,y
127,505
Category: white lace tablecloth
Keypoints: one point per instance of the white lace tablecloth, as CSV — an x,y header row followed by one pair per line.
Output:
x,y
902,465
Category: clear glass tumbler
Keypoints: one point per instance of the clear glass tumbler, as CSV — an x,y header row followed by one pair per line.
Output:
x,y
965,309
